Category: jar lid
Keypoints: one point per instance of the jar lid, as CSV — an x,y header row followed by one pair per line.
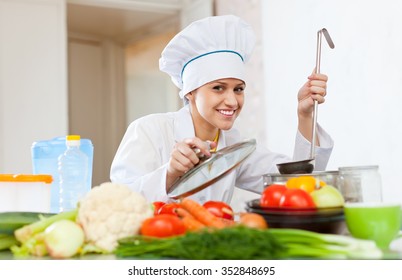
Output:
x,y
48,179
358,168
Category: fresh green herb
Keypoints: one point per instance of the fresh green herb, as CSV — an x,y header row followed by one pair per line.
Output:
x,y
248,243
227,243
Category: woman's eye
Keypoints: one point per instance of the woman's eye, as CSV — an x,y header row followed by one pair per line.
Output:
x,y
218,88
239,89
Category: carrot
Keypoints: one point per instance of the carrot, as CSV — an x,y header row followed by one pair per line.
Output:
x,y
191,223
182,213
201,213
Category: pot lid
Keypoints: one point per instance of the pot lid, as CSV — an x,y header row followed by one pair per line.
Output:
x,y
212,169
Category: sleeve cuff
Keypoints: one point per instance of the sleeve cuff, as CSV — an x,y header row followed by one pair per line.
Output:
x,y
323,152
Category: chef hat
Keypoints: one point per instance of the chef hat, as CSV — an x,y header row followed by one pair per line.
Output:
x,y
208,49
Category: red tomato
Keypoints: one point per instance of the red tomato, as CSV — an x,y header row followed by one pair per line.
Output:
x,y
297,198
169,208
163,225
219,209
157,206
272,194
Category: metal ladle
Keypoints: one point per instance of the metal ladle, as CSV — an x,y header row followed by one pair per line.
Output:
x,y
307,166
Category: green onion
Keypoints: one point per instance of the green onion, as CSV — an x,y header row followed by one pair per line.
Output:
x,y
331,245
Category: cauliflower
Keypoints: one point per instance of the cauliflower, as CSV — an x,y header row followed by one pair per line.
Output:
x,y
110,212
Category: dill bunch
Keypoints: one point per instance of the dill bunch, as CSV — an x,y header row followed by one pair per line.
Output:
x,y
236,243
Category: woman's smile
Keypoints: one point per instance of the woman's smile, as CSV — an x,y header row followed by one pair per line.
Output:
x,y
228,113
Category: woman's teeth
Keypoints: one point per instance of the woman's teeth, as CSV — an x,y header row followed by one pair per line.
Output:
x,y
227,112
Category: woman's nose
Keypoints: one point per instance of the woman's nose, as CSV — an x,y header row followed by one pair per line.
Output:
x,y
230,98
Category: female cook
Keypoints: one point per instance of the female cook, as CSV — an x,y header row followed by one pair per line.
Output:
x,y
206,61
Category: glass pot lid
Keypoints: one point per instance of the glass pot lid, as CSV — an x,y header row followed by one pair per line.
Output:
x,y
212,169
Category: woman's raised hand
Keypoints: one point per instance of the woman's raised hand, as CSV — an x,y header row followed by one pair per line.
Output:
x,y
314,89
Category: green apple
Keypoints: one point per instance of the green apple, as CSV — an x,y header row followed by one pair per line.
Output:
x,y
327,196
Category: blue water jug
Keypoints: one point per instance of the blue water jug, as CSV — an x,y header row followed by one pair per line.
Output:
x,y
45,156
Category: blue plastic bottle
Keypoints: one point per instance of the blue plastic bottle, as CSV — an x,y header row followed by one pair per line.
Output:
x,y
45,156
73,171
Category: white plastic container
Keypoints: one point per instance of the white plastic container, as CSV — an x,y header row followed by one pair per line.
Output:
x,y
25,193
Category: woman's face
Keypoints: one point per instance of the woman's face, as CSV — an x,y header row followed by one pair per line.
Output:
x,y
217,104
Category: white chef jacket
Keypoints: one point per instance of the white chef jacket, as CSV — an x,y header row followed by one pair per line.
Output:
x,y
143,155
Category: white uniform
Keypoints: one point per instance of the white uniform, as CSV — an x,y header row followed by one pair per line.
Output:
x,y
143,155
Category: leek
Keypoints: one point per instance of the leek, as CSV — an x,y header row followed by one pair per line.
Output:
x,y
6,241
31,237
26,232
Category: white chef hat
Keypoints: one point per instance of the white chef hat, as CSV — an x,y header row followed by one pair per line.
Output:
x,y
208,49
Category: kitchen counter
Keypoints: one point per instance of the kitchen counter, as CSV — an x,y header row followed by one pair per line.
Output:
x,y
7,255
395,252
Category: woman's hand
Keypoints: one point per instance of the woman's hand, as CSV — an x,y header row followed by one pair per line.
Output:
x,y
184,157
314,89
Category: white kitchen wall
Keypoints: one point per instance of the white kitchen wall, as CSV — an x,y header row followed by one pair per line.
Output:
x,y
362,111
33,79
148,90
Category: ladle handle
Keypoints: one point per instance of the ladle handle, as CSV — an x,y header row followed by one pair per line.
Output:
x,y
315,110
314,134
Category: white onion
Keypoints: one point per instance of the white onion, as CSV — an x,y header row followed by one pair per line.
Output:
x,y
63,239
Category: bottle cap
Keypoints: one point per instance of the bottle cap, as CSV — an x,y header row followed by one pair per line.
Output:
x,y
73,137
73,140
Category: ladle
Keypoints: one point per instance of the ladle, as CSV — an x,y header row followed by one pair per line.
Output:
x,y
307,166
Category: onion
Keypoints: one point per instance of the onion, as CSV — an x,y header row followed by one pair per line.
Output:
x,y
253,220
63,239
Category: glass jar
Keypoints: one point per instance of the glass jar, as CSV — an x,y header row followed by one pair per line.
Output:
x,y
329,177
360,183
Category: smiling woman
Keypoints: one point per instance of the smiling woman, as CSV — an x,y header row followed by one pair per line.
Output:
x,y
206,61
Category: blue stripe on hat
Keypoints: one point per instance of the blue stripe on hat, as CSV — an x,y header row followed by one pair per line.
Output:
x,y
197,57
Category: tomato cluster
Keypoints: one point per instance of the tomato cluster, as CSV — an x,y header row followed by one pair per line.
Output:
x,y
166,222
302,192
295,193
281,196
163,225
